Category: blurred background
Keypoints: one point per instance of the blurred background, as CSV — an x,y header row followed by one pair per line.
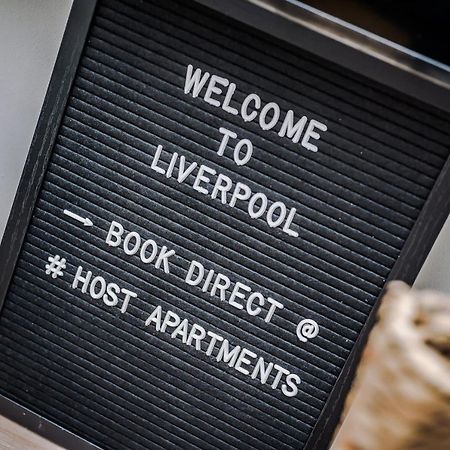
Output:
x,y
30,35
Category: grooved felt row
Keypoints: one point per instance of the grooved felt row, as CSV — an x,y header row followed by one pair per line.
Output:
x,y
102,374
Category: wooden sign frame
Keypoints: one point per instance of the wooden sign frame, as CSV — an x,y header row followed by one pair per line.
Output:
x,y
297,26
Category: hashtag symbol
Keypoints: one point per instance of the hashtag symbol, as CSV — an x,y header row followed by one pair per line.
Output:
x,y
55,266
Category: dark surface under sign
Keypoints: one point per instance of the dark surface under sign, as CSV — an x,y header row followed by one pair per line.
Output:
x,y
92,365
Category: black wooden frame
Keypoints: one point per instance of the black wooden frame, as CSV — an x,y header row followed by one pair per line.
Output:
x,y
413,254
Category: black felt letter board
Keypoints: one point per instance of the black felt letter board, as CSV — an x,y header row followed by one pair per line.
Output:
x,y
101,356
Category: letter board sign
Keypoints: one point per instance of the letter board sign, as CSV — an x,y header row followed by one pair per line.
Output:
x,y
206,221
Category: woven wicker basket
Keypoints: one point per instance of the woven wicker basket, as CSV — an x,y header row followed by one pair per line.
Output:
x,y
401,400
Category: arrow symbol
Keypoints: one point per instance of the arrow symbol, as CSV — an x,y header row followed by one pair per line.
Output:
x,y
84,220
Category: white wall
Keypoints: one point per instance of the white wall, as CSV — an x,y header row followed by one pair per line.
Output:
x,y
435,273
30,34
